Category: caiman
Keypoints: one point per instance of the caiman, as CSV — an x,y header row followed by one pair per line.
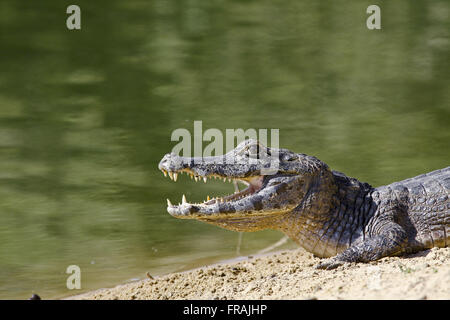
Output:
x,y
324,211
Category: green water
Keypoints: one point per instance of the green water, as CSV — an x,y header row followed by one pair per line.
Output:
x,y
85,117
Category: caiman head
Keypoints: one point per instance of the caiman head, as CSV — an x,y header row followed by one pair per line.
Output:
x,y
277,182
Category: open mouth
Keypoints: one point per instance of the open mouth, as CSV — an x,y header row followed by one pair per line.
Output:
x,y
253,185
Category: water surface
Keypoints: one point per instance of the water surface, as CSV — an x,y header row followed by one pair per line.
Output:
x,y
85,117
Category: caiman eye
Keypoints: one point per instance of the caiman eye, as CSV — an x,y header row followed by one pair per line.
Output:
x,y
273,183
290,157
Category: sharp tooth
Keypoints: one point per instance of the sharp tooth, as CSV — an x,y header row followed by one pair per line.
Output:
x,y
165,173
169,203
224,179
236,187
192,176
195,178
183,200
207,198
175,176
229,179
170,175
205,179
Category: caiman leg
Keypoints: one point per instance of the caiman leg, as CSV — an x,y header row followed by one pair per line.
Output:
x,y
386,239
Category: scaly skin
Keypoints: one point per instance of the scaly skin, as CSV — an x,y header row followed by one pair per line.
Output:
x,y
327,213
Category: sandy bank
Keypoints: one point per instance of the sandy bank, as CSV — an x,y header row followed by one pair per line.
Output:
x,y
291,275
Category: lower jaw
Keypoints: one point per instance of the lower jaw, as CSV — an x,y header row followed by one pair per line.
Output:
x,y
230,215
227,199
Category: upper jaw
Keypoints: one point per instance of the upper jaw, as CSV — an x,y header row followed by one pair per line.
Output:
x,y
228,166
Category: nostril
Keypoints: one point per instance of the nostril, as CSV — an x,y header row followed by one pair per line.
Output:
x,y
163,163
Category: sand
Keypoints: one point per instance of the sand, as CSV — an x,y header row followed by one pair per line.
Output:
x,y
291,275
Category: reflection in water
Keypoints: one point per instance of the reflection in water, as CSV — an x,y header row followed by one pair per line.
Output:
x,y
85,117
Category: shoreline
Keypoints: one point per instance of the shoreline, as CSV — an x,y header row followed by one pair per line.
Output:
x,y
290,274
